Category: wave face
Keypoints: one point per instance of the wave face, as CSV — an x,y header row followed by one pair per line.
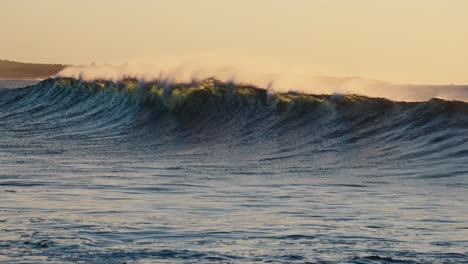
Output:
x,y
221,172
243,116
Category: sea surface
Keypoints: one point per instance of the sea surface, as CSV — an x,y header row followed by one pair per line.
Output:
x,y
130,172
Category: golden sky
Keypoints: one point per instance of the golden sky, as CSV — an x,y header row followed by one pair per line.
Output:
x,y
403,41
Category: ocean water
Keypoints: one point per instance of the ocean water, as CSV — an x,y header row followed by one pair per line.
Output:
x,y
128,172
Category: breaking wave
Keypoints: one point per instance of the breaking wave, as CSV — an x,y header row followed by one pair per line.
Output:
x,y
282,81
218,113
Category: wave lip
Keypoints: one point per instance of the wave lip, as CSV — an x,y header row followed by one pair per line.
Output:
x,y
280,82
173,95
212,94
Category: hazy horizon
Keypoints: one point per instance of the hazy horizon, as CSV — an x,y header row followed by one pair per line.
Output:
x,y
395,41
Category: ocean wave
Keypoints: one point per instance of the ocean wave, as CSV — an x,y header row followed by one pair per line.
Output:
x,y
239,115
210,171
208,91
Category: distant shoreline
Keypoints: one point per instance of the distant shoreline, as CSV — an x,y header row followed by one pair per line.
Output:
x,y
12,70
31,79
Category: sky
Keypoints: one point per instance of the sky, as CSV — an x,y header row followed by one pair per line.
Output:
x,y
401,41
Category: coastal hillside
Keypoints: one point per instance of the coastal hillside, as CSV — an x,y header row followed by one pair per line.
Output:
x,y
19,70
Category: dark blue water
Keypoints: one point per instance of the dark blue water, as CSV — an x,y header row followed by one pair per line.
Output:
x,y
96,173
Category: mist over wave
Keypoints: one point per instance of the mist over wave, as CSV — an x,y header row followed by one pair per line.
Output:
x,y
273,81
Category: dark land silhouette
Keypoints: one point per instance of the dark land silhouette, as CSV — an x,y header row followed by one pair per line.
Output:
x,y
19,70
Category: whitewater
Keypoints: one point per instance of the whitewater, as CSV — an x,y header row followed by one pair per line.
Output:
x,y
134,170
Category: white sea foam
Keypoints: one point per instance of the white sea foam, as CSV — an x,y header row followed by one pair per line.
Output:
x,y
273,80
